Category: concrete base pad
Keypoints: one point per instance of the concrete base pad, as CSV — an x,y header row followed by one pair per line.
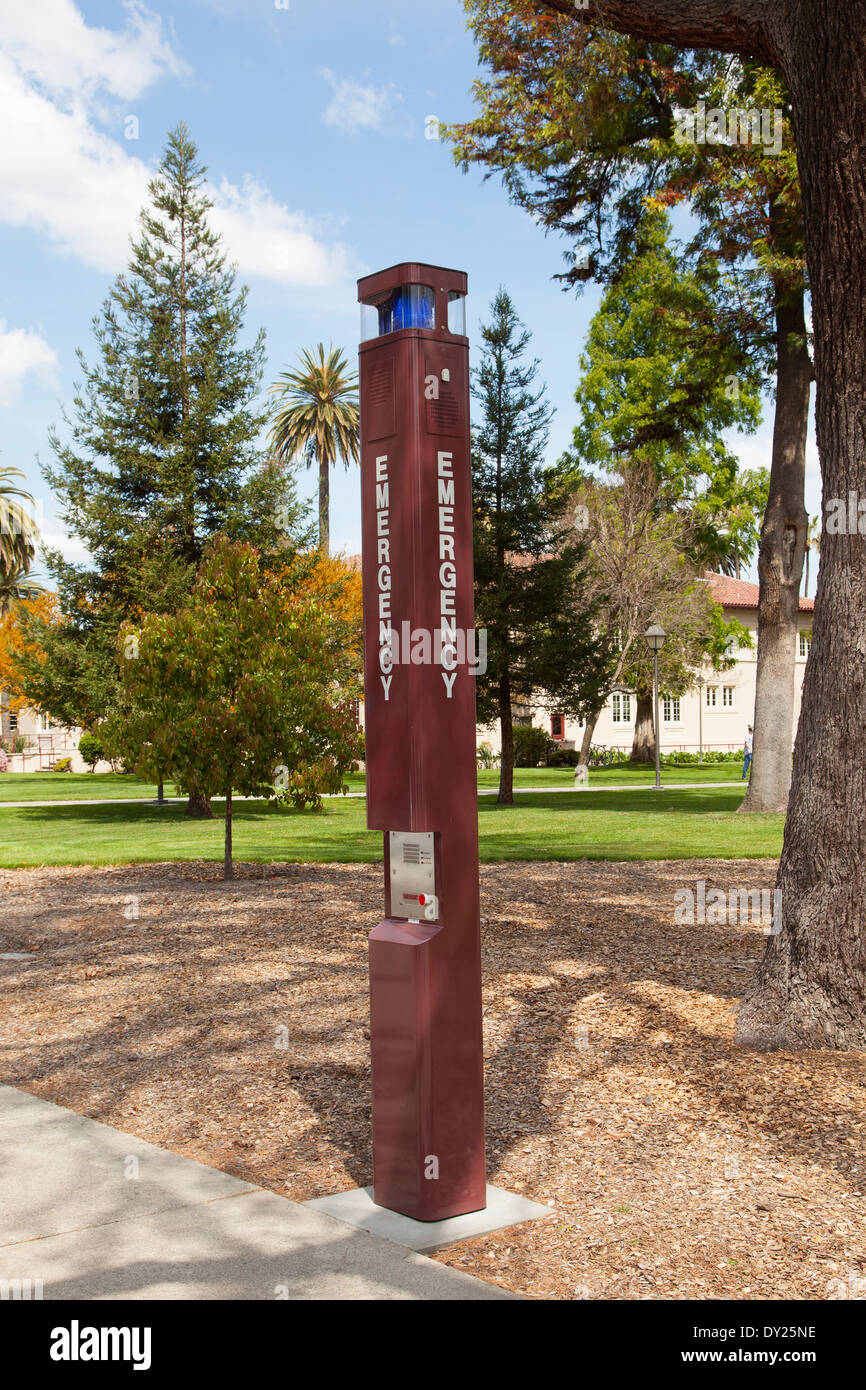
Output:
x,y
357,1208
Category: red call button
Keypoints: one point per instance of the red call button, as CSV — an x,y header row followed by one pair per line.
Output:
x,y
422,899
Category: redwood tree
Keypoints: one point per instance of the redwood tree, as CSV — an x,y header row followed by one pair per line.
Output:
x,y
810,990
531,594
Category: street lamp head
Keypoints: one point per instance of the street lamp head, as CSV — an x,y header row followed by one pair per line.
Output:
x,y
655,637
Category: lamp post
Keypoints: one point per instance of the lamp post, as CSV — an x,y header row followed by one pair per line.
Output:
x,y
700,683
655,639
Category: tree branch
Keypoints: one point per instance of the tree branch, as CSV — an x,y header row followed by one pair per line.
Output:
x,y
732,26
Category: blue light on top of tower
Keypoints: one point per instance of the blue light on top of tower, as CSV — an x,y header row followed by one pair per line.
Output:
x,y
410,306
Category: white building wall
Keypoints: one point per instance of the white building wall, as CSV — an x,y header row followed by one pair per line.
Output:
x,y
723,726
46,743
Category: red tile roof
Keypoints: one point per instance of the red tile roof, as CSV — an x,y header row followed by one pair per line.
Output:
x,y
737,593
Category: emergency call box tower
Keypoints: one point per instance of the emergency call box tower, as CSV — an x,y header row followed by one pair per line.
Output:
x,y
419,716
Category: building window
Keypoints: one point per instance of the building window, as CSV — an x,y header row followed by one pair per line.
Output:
x,y
727,697
805,644
557,726
44,723
621,709
13,721
671,709
712,696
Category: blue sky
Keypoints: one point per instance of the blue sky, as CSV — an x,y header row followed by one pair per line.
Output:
x,y
311,119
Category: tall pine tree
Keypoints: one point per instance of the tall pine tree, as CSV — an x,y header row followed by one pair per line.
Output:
x,y
162,452
529,561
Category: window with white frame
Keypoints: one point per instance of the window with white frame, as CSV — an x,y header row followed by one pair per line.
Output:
x,y
44,723
671,709
727,697
805,643
712,696
621,708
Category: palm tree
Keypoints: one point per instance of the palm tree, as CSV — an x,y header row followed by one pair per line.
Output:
x,y
813,542
16,585
317,417
18,533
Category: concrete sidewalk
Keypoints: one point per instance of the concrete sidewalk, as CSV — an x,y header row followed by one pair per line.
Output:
x,y
98,1214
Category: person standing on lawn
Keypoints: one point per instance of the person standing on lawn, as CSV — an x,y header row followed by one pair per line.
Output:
x,y
747,749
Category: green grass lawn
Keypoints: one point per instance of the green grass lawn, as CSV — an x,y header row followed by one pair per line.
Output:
x,y
675,824
62,786
627,776
71,786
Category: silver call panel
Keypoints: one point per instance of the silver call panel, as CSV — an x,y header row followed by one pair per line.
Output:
x,y
413,872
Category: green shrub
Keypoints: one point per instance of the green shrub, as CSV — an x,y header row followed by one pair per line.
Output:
x,y
91,749
531,745
62,765
711,755
563,757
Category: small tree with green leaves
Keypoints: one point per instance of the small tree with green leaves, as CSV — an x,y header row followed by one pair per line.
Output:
x,y
91,750
248,687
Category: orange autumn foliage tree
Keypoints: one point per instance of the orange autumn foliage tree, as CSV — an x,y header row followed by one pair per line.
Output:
x,y
15,643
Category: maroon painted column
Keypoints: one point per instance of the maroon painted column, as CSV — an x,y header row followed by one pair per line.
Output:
x,y
419,715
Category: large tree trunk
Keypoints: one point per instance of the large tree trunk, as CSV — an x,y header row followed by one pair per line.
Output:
x,y
324,506
199,805
506,732
780,564
643,748
810,989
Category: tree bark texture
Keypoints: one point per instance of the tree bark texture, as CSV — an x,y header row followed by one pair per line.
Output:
x,y
643,748
780,566
506,732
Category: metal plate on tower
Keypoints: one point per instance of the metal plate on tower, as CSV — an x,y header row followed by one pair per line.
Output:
x,y
413,870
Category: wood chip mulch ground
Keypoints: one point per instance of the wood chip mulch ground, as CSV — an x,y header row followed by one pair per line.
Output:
x,y
228,1022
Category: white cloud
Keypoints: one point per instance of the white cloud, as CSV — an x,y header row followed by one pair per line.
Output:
x,y
267,239
356,107
71,548
64,178
22,351
82,190
51,44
